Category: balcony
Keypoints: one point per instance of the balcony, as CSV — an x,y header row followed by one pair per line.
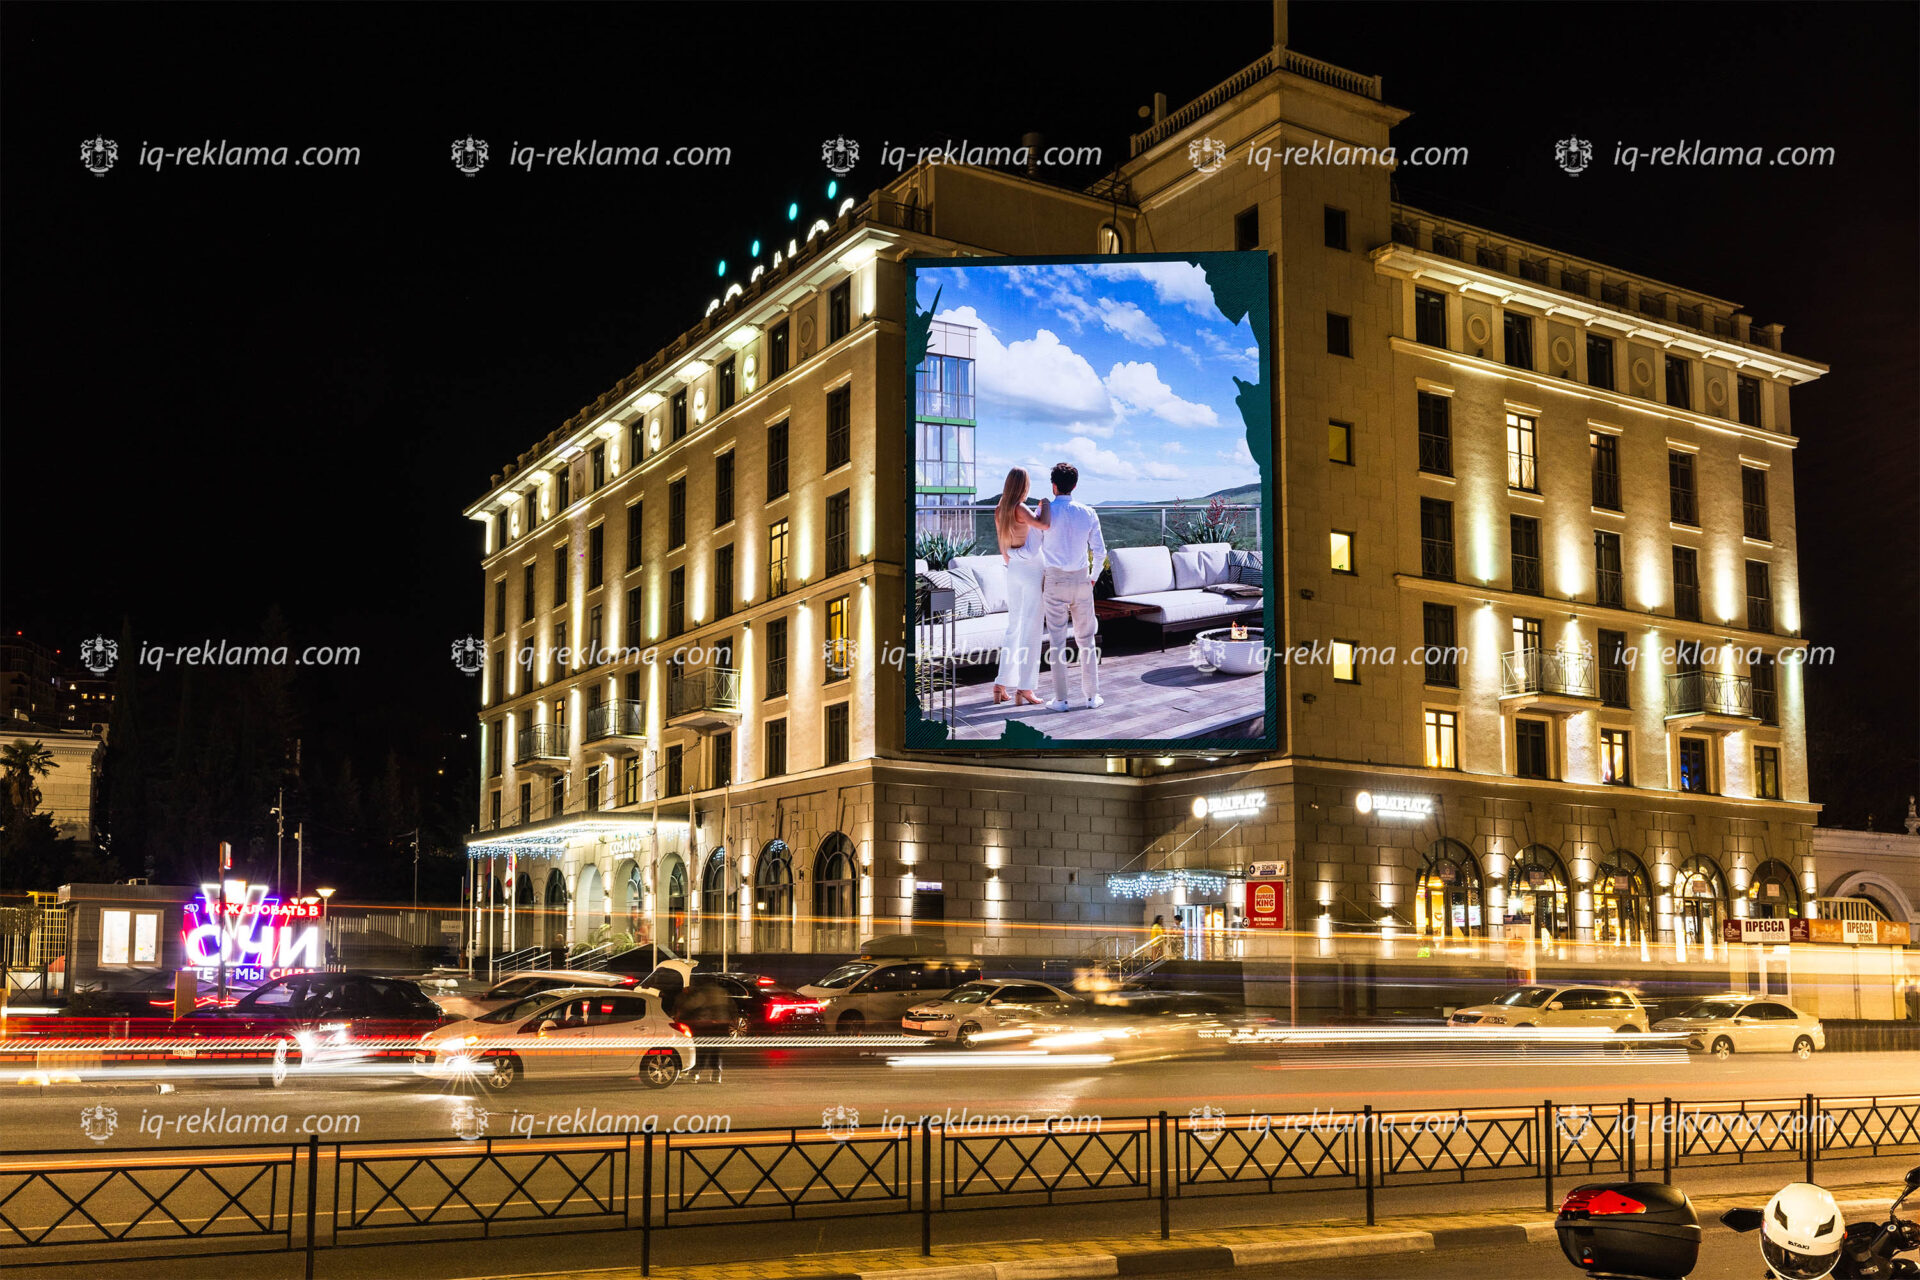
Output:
x,y
541,748
1548,679
1709,700
619,726
704,700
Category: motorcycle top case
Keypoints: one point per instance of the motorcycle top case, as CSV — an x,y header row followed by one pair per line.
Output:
x,y
1643,1229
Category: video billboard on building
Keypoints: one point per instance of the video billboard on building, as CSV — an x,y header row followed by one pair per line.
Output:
x,y
1091,510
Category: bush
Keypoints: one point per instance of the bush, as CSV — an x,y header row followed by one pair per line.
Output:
x,y
939,549
1215,524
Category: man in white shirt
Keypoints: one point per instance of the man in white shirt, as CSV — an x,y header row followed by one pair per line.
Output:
x,y
1070,560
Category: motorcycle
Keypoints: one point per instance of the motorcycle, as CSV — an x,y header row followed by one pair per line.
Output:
x,y
1649,1231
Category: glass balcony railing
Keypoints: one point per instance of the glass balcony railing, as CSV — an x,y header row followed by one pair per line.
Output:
x,y
1121,524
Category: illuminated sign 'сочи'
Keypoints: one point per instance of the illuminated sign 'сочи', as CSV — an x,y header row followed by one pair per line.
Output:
x,y
253,937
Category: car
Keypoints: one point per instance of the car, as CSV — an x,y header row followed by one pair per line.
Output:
x,y
876,991
1735,1023
311,1020
989,1011
1562,1005
526,983
746,1004
568,1032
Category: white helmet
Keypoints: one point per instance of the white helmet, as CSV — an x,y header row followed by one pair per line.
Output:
x,y
1801,1236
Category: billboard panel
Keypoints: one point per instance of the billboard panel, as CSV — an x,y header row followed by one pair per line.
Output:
x,y
1090,511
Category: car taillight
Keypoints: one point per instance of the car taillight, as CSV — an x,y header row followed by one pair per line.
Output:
x,y
778,1009
763,981
1599,1202
683,1028
629,982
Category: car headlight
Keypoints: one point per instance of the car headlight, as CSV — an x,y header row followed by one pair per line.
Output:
x,y
1495,1019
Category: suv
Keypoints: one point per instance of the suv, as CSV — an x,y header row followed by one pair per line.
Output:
x,y
1598,1008
866,992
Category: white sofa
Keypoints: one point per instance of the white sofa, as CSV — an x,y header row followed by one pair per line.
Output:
x,y
977,638
1171,585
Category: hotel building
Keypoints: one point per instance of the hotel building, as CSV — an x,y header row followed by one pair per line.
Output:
x,y
1536,512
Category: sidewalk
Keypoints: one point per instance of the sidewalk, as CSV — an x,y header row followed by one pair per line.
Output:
x,y
1194,1250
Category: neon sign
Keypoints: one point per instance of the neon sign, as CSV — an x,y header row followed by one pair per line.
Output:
x,y
254,937
1388,804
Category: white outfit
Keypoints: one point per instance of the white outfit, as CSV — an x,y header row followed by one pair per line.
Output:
x,y
1072,554
1020,652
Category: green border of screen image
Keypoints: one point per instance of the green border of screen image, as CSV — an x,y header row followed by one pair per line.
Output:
x,y
1248,288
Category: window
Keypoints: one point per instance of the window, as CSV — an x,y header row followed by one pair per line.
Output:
x,y
1339,335
562,657
676,769
723,581
1430,317
1693,766
677,514
839,427
1605,448
599,467
596,556
596,636
1334,224
1766,690
593,788
630,780
559,576
776,558
533,509
1608,587
776,459
1342,560
557,795
500,607
1442,655
1599,362
1682,506
1766,773
1759,596
633,616
839,550
634,530
1526,635
837,744
1436,539
776,748
1443,739
1616,759
493,809
563,488
1747,392
679,416
1340,442
1614,685
722,760
727,382
1519,333
1532,756
1753,504
676,601
1246,228
777,351
1344,671
1524,536
776,657
1436,434
839,651
497,738
129,937
723,489
1523,456
1686,584
840,311
1677,390
636,441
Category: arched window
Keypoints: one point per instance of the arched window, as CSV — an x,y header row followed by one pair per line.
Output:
x,y
1537,896
673,903
717,898
1110,240
1620,914
523,891
1699,901
589,906
773,898
636,899
1772,893
1446,900
836,895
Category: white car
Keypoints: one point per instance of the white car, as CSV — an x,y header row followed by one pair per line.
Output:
x,y
986,1012
1725,1025
875,991
567,1033
526,983
1567,1005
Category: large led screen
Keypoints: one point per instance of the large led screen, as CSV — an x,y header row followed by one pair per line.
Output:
x,y
1090,505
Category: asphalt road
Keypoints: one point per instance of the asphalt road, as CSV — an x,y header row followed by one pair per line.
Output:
x,y
1724,1255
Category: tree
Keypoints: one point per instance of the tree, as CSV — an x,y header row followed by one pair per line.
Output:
x,y
28,838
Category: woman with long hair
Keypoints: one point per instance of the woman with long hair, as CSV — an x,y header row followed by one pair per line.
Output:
x,y
1019,532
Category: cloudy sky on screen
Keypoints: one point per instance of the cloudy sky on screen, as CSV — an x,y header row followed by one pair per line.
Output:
x,y
1124,369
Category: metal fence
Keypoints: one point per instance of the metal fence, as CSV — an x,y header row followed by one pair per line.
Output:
x,y
91,1205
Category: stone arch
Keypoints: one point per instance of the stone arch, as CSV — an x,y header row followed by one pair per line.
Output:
x,y
773,898
1539,890
1449,895
1622,904
836,894
589,904
1876,888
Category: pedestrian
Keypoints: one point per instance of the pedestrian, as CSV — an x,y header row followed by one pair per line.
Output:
x,y
558,952
1157,935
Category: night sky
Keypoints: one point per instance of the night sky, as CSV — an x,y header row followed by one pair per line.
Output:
x,y
226,388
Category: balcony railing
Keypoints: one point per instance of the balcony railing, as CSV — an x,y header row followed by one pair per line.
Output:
x,y
711,689
1709,693
1436,558
1565,672
620,718
1121,524
1614,686
540,742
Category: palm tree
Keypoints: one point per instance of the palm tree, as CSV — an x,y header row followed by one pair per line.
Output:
x,y
20,763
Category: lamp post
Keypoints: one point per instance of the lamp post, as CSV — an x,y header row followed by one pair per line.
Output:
x,y
325,894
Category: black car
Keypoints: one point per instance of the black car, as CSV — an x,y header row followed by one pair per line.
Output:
x,y
311,1020
746,1004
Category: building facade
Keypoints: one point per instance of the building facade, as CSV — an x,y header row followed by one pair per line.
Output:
x,y
1541,508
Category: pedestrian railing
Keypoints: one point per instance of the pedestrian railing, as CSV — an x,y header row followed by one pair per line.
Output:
x,y
106,1204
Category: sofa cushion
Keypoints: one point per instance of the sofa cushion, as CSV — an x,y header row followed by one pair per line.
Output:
x,y
1197,567
1175,607
991,573
919,566
1245,567
968,602
1140,570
